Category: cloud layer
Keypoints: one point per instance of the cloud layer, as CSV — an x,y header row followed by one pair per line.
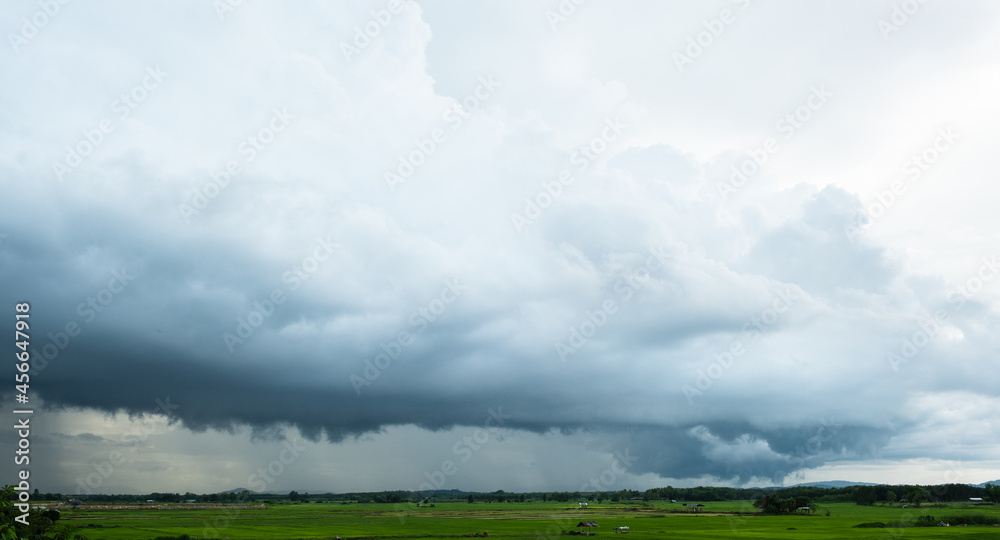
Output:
x,y
467,213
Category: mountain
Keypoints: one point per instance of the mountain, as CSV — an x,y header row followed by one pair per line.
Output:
x,y
836,484
994,482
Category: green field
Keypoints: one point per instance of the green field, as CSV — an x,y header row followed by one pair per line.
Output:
x,y
519,520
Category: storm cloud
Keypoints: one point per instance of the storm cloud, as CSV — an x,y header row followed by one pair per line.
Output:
x,y
282,238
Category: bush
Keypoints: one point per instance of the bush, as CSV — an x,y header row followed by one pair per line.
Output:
x,y
931,521
974,519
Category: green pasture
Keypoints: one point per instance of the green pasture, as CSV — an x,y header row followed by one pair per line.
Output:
x,y
733,519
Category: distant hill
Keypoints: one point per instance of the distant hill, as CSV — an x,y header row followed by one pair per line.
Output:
x,y
994,482
836,484
844,483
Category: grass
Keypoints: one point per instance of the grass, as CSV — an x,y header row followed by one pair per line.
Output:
x,y
521,520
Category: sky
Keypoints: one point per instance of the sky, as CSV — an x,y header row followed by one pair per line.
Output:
x,y
529,246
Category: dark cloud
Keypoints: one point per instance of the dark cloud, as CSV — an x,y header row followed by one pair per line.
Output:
x,y
740,336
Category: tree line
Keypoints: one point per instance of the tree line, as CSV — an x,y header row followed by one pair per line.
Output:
x,y
863,495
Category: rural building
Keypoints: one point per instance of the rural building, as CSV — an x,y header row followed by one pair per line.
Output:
x,y
589,525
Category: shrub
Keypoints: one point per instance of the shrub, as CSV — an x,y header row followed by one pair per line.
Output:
x,y
974,519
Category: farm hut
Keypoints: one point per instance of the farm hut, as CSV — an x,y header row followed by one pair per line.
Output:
x,y
696,507
976,499
75,502
589,525
623,530
803,510
583,505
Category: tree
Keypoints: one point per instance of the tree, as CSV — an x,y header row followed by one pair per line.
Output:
x,y
864,495
772,504
41,525
993,493
916,495
293,496
890,496
471,499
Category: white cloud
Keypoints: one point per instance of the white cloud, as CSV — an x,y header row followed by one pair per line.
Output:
x,y
768,270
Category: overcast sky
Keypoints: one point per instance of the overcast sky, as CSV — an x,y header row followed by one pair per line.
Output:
x,y
521,245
